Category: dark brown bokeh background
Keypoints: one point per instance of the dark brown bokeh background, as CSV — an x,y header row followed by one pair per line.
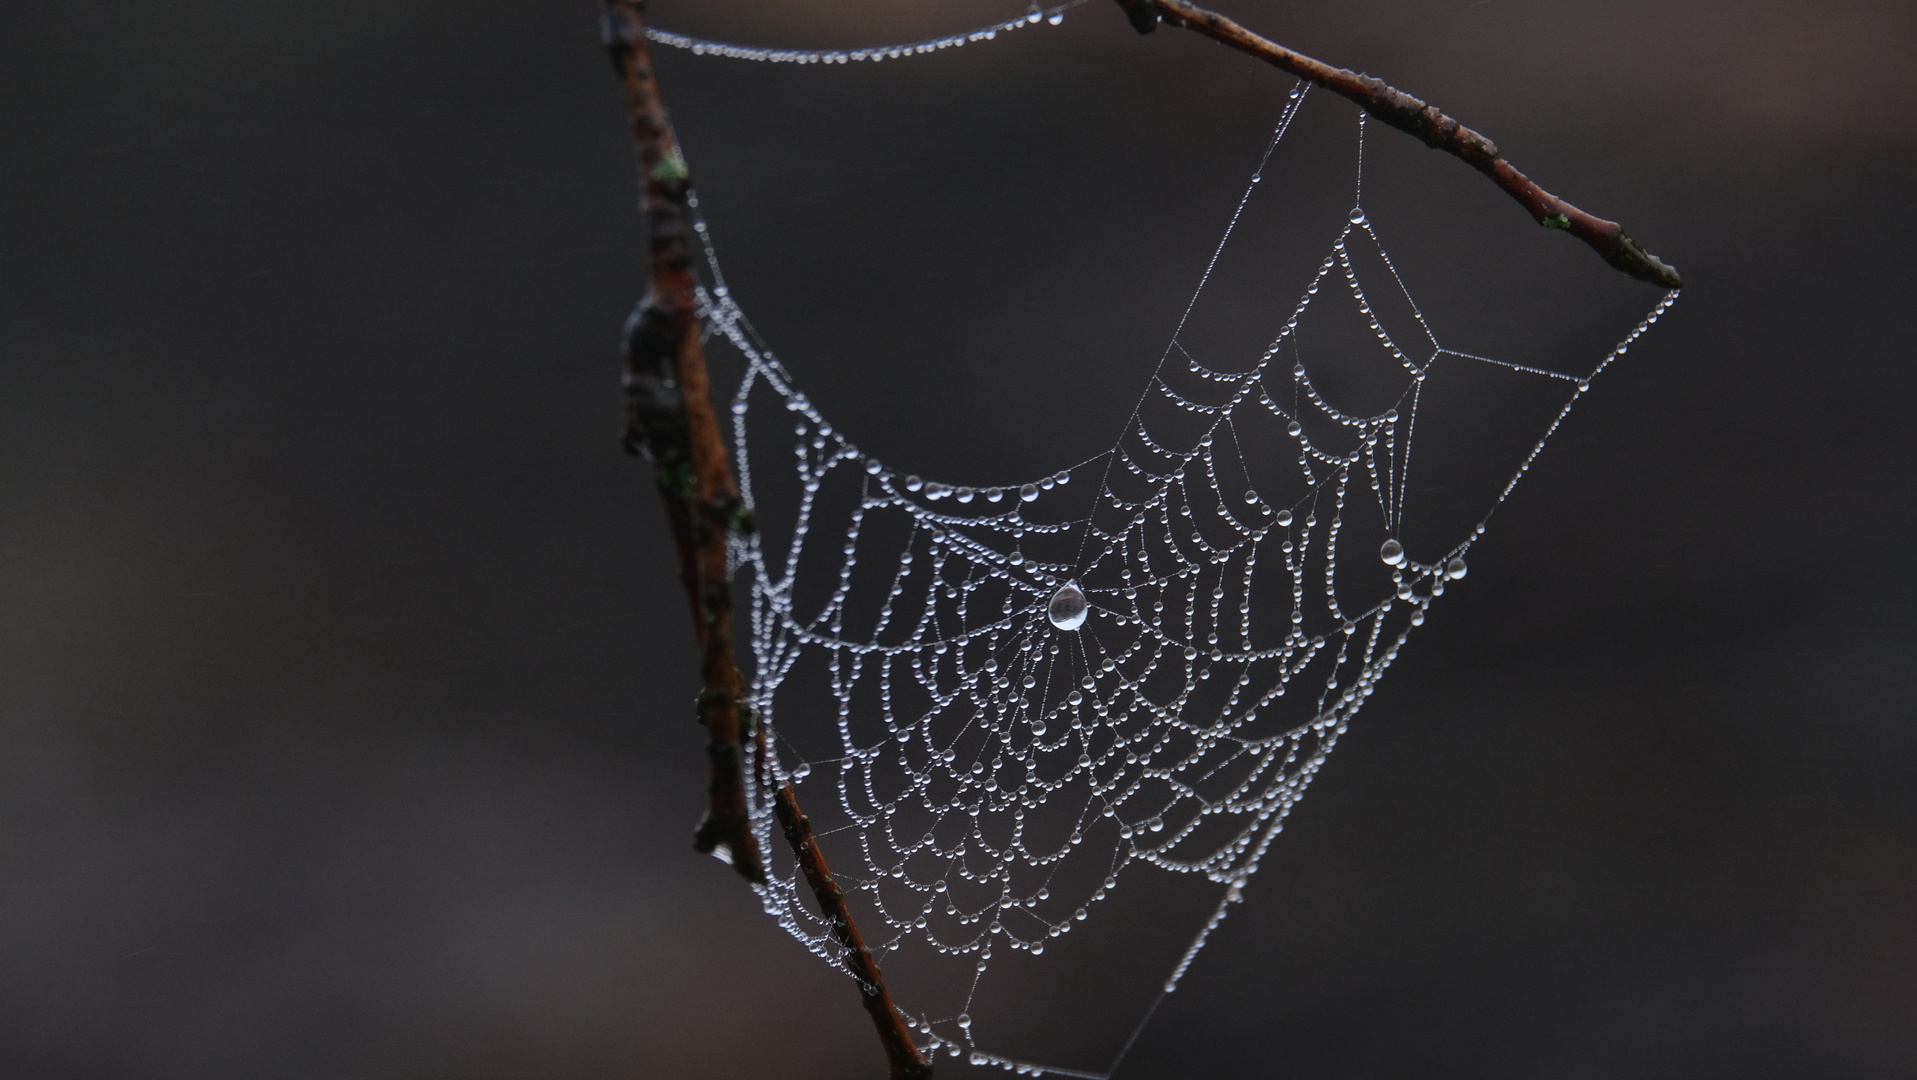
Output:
x,y
345,722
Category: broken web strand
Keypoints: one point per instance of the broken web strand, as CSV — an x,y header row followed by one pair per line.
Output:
x,y
1041,677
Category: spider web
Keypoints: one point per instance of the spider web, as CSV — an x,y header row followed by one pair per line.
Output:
x,y
1017,697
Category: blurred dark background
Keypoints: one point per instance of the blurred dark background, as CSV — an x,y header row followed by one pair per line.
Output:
x,y
345,692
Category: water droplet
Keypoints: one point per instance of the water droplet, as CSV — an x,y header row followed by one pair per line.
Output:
x,y
994,494
1062,478
1392,553
1284,517
802,772
1455,569
1294,428
1079,914
1251,496
1028,493
1357,215
913,483
1055,18
965,1020
1068,608
965,494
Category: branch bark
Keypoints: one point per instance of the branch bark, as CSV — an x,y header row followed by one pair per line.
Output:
x,y
670,420
1430,126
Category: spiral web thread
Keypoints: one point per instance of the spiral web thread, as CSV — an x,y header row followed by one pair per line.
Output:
x,y
1023,687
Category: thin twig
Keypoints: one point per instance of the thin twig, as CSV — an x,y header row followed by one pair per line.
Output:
x,y
903,1054
669,419
1414,117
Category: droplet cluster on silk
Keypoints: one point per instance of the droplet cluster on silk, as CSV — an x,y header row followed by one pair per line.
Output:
x,y
1013,696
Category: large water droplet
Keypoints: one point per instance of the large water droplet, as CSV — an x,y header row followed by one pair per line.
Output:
x,y
1068,608
1392,553
1028,492
1455,569
1284,517
1294,428
1357,215
1055,18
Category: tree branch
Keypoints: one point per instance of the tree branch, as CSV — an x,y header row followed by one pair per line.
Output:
x,y
1426,123
669,419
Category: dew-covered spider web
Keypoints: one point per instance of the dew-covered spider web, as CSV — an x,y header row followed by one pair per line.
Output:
x,y
1004,705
